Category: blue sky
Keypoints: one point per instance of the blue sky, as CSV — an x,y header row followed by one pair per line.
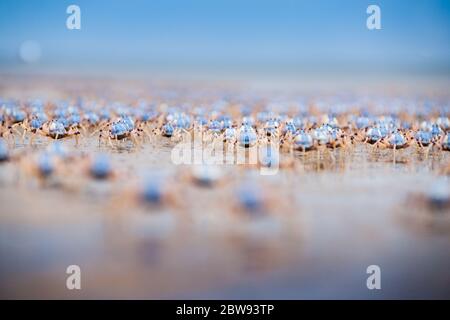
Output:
x,y
231,34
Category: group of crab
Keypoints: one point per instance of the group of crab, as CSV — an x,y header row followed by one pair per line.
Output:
x,y
304,129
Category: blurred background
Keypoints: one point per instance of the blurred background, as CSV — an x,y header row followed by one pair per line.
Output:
x,y
264,38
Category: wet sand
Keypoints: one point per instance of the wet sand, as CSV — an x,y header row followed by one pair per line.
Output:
x,y
330,227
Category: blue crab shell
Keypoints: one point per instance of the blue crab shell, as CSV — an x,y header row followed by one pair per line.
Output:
x,y
435,130
128,122
227,122
374,134
167,130
201,120
100,167
64,121
36,123
303,141
322,136
18,115
229,134
424,137
118,129
397,139
92,117
57,128
215,126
